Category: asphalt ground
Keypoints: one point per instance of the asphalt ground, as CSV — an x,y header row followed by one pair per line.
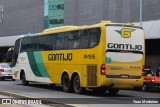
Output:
x,y
88,99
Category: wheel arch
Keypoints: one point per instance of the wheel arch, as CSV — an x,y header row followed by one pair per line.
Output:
x,y
71,76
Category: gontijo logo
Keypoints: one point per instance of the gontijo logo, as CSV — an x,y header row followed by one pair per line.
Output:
x,y
15,73
125,32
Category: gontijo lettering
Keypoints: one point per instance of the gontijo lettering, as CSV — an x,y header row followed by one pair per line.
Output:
x,y
124,46
60,57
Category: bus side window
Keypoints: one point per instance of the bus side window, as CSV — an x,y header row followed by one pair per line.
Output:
x,y
31,44
73,40
45,43
65,41
24,45
48,42
94,37
84,39
28,44
60,41
53,41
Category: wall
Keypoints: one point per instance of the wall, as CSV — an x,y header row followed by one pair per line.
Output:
x,y
21,17
82,12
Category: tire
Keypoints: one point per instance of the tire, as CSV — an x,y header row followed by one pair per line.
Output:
x,y
66,84
113,91
76,85
24,81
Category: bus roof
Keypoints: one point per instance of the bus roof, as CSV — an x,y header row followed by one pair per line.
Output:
x,y
72,28
60,28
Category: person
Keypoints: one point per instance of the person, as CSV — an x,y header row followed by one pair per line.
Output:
x,y
157,70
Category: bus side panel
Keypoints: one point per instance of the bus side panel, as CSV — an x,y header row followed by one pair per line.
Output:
x,y
102,80
33,67
57,62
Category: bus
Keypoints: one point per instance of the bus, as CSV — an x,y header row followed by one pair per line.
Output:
x,y
101,57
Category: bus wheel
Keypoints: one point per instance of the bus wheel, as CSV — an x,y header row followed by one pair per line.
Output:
x,y
66,84
24,81
113,91
76,85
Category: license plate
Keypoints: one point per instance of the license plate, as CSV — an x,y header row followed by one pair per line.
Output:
x,y
124,76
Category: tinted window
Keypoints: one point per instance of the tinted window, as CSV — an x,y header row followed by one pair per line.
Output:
x,y
45,42
94,37
53,42
73,40
65,41
28,44
59,41
69,40
84,42
16,47
89,37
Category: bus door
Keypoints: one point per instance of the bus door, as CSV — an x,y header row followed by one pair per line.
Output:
x,y
15,54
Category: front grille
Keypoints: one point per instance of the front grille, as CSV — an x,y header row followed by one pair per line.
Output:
x,y
91,75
